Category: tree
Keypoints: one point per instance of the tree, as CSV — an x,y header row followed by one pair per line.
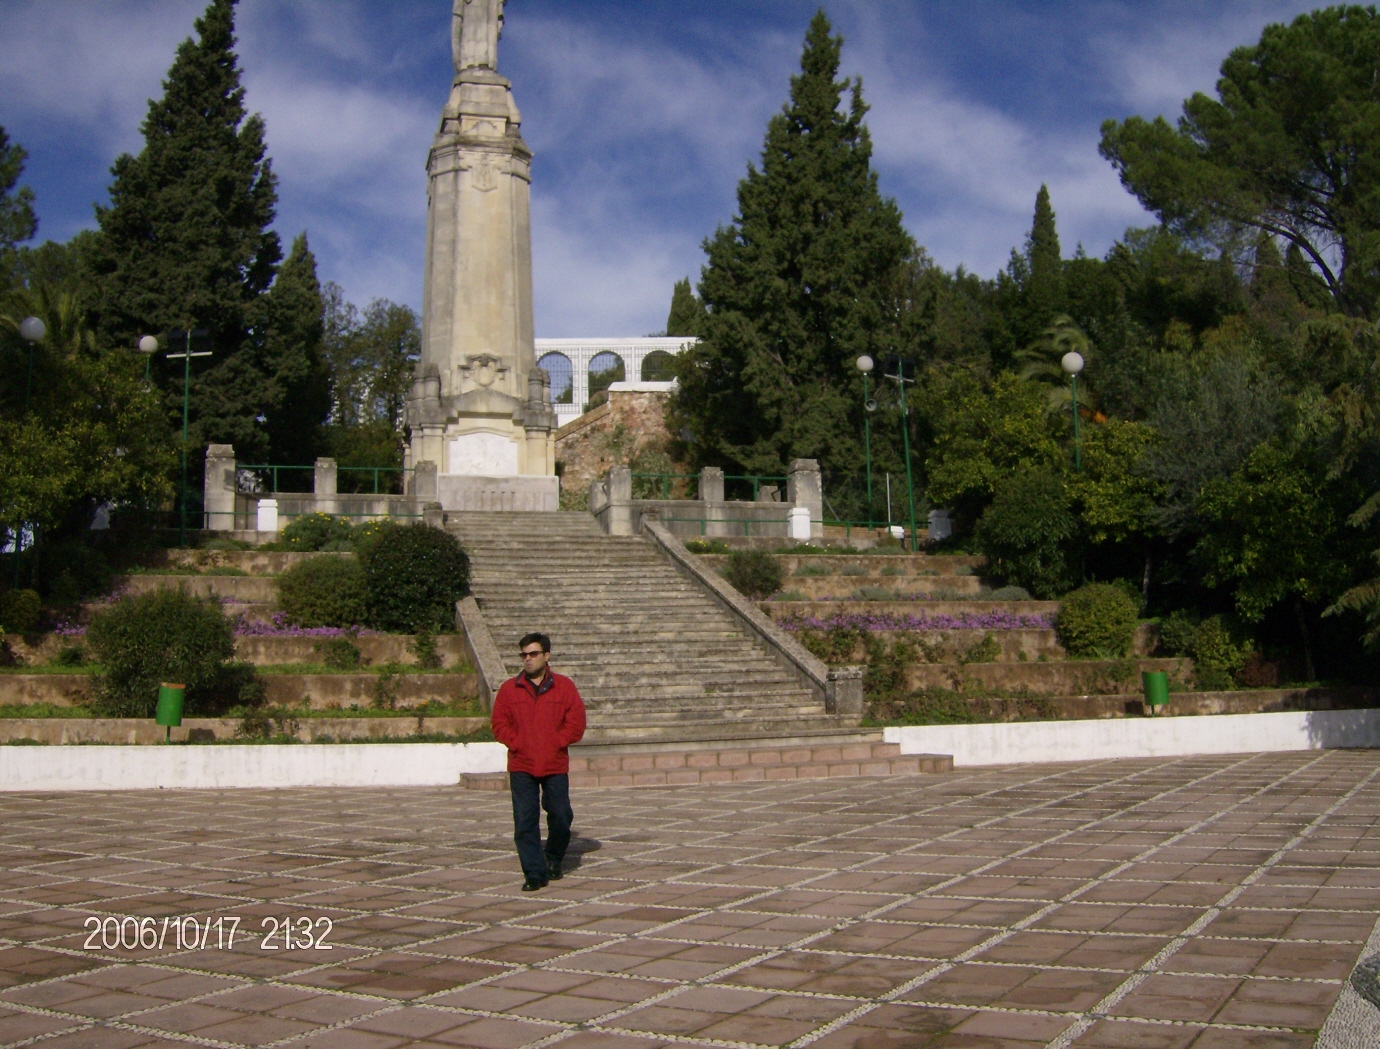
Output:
x,y
299,390
1027,532
1044,291
88,432
989,434
369,358
795,288
186,239
17,220
1291,148
687,311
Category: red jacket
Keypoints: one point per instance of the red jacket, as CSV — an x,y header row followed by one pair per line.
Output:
x,y
538,724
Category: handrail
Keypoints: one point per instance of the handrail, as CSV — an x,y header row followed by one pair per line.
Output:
x,y
480,647
756,480
839,687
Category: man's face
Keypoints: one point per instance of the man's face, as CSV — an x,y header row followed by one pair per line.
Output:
x,y
534,660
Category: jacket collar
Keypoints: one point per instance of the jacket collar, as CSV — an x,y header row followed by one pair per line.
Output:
x,y
548,683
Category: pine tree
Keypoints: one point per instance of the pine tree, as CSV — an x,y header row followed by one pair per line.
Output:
x,y
795,288
17,221
186,241
686,310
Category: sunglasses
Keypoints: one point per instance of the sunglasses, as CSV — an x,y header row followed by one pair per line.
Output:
x,y
532,655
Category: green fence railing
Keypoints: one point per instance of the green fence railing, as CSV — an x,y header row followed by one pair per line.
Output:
x,y
665,480
757,480
376,470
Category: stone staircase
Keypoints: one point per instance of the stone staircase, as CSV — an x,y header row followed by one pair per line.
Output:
x,y
653,654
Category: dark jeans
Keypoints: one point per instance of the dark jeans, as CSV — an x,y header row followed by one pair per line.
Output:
x,y
555,799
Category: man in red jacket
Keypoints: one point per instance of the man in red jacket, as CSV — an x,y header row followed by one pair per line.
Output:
x,y
537,716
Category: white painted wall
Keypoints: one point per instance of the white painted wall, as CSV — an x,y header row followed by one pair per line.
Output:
x,y
1037,741
226,767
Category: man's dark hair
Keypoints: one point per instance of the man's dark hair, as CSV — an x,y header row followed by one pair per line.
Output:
x,y
540,639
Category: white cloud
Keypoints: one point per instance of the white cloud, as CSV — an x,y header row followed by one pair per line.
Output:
x,y
91,67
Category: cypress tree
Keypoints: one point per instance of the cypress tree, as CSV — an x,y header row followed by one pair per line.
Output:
x,y
1045,294
186,238
299,387
686,310
795,288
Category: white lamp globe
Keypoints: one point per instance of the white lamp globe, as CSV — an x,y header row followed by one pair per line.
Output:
x,y
32,329
148,345
864,364
1072,362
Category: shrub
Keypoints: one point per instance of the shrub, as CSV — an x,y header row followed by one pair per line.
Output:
x,y
1027,531
19,610
313,532
323,591
1176,632
854,570
1097,620
71,656
874,593
413,576
755,574
707,546
424,648
339,653
166,635
1007,593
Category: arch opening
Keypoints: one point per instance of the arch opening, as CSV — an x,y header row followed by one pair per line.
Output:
x,y
562,372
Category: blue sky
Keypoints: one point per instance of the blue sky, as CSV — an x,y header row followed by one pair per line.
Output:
x,y
643,115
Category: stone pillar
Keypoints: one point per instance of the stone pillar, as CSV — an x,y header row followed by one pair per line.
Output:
x,y
620,501
433,515
424,481
711,485
266,518
219,488
324,486
805,488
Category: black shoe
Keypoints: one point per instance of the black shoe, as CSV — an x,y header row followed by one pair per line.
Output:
x,y
533,884
554,872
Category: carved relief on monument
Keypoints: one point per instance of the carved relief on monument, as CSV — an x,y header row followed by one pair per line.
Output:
x,y
486,454
480,372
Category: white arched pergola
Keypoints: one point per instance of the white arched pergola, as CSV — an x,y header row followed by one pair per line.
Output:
x,y
581,351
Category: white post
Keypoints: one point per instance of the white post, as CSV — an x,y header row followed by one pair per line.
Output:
x,y
799,517
268,515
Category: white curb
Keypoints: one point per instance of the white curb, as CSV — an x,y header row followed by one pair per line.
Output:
x,y
249,765
1023,742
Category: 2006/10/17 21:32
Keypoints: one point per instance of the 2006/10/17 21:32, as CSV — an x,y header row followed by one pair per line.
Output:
x,y
190,934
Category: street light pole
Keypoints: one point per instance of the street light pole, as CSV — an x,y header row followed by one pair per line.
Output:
x,y
1072,363
148,346
864,364
186,401
31,330
901,380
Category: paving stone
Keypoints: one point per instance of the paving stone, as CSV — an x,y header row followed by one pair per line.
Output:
x,y
991,907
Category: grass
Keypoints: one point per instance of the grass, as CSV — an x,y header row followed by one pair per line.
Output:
x,y
53,668
42,710
380,668
430,709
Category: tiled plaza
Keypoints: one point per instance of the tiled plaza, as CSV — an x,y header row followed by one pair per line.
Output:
x,y
1158,904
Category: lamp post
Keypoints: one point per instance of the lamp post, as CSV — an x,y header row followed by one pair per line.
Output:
x,y
148,346
186,400
31,330
900,379
1072,363
864,364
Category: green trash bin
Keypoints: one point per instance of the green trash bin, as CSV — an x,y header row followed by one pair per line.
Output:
x,y
1156,686
169,712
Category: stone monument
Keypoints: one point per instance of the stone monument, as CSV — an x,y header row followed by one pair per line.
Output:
x,y
480,408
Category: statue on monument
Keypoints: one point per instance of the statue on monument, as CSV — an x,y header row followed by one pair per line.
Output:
x,y
475,26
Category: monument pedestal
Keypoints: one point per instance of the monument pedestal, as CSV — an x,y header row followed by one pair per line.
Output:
x,y
513,492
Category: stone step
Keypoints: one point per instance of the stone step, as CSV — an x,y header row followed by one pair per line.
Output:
x,y
636,701
673,765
